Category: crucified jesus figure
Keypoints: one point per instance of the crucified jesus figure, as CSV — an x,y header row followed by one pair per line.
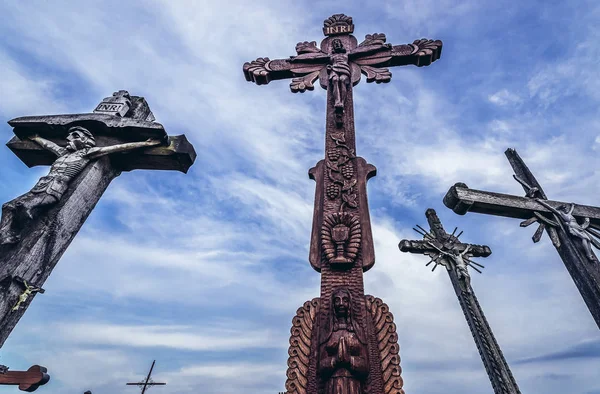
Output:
x,y
80,151
339,73
29,290
460,265
574,228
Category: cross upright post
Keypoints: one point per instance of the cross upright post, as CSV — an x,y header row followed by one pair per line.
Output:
x,y
341,246
448,251
85,153
572,228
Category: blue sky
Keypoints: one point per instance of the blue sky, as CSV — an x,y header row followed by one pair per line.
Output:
x,y
203,272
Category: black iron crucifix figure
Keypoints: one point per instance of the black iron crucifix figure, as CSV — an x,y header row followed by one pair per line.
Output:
x,y
572,228
446,250
144,384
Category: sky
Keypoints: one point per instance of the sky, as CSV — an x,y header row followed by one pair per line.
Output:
x,y
204,271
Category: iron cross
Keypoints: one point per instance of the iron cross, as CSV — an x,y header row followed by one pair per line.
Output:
x,y
28,380
572,228
447,250
147,382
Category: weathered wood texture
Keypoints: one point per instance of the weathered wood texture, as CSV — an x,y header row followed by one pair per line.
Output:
x,y
443,249
47,239
177,155
29,380
341,247
461,199
51,228
584,271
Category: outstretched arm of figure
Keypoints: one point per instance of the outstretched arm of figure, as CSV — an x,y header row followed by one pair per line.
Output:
x,y
542,202
48,145
466,250
571,209
368,49
107,150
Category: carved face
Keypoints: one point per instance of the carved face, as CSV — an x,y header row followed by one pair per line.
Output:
x,y
341,303
337,45
77,140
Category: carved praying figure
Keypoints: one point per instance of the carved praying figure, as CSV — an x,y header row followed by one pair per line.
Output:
x,y
80,151
343,355
574,228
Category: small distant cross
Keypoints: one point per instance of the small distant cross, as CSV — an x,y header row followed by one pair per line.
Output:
x,y
147,382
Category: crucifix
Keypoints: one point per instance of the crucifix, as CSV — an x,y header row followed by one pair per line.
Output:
x,y
148,382
572,228
29,380
85,153
342,341
448,251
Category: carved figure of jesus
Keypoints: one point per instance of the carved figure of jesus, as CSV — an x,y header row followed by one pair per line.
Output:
x,y
29,290
339,73
574,228
462,271
80,151
343,360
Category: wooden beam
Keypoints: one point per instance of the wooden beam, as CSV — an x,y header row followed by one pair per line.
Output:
x,y
178,155
28,380
461,200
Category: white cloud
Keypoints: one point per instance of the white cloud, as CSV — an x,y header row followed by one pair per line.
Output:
x,y
504,97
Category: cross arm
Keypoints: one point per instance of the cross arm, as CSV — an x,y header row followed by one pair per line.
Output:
x,y
461,199
418,247
48,145
28,380
178,154
263,70
420,53
423,247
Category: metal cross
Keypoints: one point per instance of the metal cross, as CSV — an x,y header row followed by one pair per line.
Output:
x,y
147,382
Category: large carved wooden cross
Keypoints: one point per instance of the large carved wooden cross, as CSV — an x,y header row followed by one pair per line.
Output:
x,y
29,380
341,246
571,227
447,250
86,152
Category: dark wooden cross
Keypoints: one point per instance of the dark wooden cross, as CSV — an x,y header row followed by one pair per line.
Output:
x,y
447,250
29,380
341,247
144,384
572,228
85,152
